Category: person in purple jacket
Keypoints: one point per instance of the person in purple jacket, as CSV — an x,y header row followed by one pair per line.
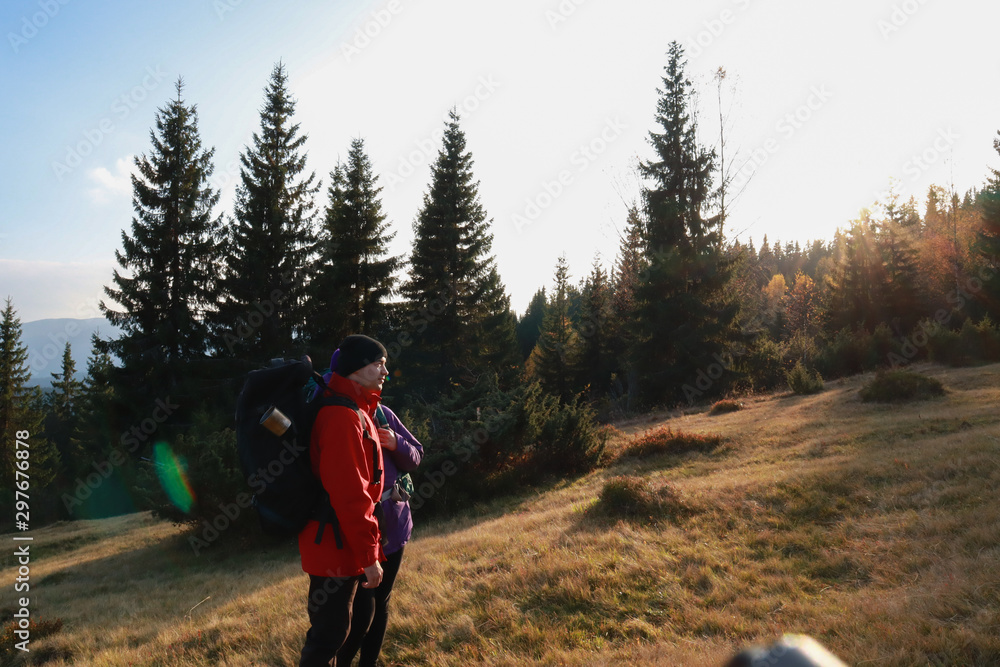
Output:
x,y
401,453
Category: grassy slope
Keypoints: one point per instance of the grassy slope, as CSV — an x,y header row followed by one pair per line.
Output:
x,y
875,529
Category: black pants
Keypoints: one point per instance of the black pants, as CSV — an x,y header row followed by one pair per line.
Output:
x,y
371,615
330,603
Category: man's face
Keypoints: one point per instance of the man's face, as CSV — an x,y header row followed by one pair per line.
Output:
x,y
371,376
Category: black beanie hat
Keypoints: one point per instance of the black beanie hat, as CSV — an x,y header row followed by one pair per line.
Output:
x,y
356,352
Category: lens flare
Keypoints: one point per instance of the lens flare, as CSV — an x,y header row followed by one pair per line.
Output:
x,y
173,477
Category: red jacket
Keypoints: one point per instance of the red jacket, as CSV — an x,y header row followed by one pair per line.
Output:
x,y
342,456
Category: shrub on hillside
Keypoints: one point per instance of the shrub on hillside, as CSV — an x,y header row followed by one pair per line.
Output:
x,y
802,380
665,441
483,441
9,639
631,497
900,385
977,342
725,405
851,351
192,477
762,365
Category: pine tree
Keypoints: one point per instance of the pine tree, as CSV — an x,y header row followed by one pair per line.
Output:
x,y
802,303
271,242
94,433
62,408
988,241
555,360
630,268
21,419
854,291
457,308
595,331
903,300
529,326
683,317
355,276
166,284
99,444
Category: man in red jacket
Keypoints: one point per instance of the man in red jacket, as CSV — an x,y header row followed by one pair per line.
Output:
x,y
346,455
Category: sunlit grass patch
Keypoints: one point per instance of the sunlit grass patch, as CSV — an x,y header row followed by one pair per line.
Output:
x,y
666,441
725,405
901,385
635,498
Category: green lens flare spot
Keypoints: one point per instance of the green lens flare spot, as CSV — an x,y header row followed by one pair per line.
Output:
x,y
172,473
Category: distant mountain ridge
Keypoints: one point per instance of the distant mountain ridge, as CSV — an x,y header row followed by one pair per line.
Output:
x,y
46,340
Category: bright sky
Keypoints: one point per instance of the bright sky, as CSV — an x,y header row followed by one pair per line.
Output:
x,y
823,102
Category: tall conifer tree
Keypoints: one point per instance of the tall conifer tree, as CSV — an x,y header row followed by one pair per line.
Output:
x,y
629,270
595,329
856,287
166,285
683,315
62,407
555,360
458,310
94,434
272,241
904,301
355,275
21,417
988,240
529,326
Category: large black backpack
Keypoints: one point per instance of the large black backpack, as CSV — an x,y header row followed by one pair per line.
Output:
x,y
274,419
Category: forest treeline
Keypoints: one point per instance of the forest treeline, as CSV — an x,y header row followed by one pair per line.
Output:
x,y
201,297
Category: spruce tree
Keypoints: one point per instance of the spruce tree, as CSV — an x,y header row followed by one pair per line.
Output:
x,y
629,270
166,284
556,358
94,434
595,331
355,275
903,302
855,290
684,317
100,444
988,240
271,242
21,419
529,326
458,312
62,408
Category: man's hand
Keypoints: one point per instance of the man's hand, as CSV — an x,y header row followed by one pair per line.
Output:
x,y
387,438
374,575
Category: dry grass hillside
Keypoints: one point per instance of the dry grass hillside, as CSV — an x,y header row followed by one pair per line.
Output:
x,y
873,528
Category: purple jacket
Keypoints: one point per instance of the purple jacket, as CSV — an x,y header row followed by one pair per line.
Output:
x,y
398,522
